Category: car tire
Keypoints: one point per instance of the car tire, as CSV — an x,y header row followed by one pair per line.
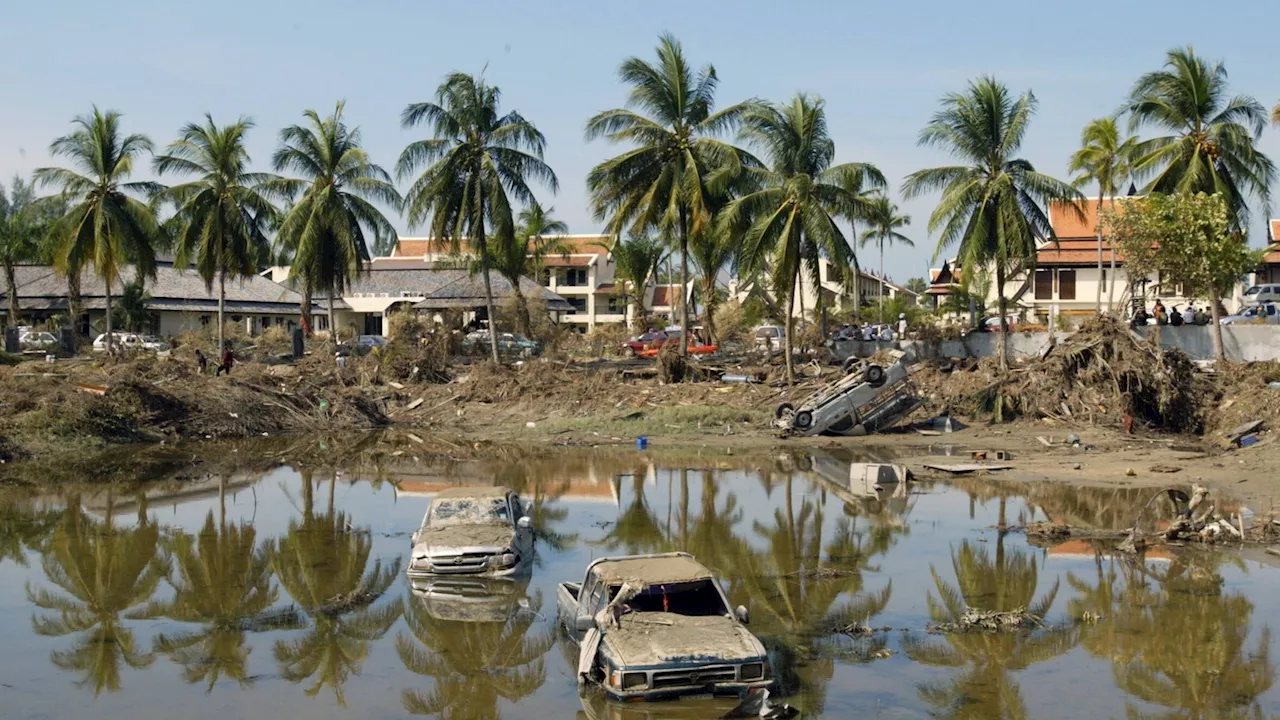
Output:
x,y
803,420
783,409
873,375
849,364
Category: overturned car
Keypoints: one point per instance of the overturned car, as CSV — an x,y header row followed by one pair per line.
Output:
x,y
659,626
473,531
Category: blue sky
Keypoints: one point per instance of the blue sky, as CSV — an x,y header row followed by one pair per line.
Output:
x,y
880,66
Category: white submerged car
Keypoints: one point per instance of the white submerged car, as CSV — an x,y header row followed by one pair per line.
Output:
x,y
473,531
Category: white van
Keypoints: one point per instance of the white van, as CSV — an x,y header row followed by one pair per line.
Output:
x,y
1261,294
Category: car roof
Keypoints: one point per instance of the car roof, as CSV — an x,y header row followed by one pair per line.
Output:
x,y
653,569
474,491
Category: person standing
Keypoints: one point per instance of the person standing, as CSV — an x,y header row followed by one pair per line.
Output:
x,y
902,326
228,359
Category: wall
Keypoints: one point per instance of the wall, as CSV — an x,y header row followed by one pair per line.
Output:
x,y
1242,343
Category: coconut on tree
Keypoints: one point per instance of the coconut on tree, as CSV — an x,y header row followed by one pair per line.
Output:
x,y
676,164
221,214
476,161
333,214
108,225
792,214
993,202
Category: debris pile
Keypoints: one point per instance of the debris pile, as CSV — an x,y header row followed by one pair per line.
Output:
x,y
975,620
1102,374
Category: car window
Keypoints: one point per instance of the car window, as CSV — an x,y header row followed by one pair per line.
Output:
x,y
469,511
516,511
699,598
1253,290
645,337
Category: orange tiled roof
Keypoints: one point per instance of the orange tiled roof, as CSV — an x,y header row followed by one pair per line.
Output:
x,y
417,247
1074,252
1067,224
662,296
570,261
1275,231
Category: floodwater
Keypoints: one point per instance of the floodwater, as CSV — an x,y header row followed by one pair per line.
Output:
x,y
282,594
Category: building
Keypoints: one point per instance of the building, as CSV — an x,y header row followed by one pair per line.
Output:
x,y
836,297
584,278
177,300
1270,270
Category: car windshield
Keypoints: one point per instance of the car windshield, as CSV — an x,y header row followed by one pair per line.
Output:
x,y
767,333
1253,290
698,598
469,511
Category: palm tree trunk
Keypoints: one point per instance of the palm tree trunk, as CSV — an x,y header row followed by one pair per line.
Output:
x,y
305,308
1002,351
522,309
222,309
881,281
1218,351
333,327
709,305
786,336
11,290
684,282
1098,304
110,339
488,293
73,299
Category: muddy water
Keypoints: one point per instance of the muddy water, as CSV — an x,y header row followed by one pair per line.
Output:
x,y
282,595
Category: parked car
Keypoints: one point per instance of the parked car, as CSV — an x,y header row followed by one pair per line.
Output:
x,y
1262,293
658,626
770,338
651,340
992,324
131,341
508,343
37,340
361,345
1268,313
473,531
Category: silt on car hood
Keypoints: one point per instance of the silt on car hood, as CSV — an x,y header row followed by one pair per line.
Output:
x,y
460,536
657,638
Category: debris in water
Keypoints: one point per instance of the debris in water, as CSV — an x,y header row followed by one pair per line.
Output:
x,y
974,620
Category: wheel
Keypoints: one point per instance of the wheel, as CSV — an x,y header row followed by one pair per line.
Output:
x,y
803,419
783,409
849,364
873,375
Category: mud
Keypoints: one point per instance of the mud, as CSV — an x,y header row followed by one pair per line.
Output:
x,y
654,638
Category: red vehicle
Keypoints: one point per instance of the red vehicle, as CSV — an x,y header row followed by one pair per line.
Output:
x,y
651,340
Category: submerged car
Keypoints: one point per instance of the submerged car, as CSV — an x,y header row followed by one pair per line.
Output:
x,y
473,531
652,627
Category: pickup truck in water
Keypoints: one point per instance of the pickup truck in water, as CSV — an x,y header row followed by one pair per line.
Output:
x,y
651,627
473,531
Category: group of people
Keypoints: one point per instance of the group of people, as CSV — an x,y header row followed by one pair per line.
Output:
x,y
870,332
228,360
1190,315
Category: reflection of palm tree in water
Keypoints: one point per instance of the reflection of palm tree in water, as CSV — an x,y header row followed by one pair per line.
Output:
x,y
321,563
796,588
223,582
107,573
1175,639
23,530
637,529
985,689
473,664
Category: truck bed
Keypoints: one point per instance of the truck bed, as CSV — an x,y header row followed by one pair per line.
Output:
x,y
567,604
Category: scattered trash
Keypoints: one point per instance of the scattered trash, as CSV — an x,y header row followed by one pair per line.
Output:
x,y
964,468
1274,384
737,379
1247,440
1073,440
1044,441
974,620
531,424
414,438
1130,472
415,404
642,443
990,455
1169,469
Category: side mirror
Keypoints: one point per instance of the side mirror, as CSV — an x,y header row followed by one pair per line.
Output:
x,y
583,623
741,614
524,523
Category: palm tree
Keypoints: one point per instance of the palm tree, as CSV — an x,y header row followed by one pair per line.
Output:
x,y
1275,114
131,312
1105,159
636,263
791,217
327,226
19,237
473,664
322,565
476,161
993,204
537,236
224,584
220,214
885,221
106,226
665,182
106,573
1212,145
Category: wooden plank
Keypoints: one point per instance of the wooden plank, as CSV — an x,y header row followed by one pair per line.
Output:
x,y
964,468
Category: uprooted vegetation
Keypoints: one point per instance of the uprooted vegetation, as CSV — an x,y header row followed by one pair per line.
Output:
x,y
1103,373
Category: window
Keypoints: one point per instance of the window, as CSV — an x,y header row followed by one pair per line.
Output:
x,y
575,277
1169,288
1044,284
617,304
579,304
1066,284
